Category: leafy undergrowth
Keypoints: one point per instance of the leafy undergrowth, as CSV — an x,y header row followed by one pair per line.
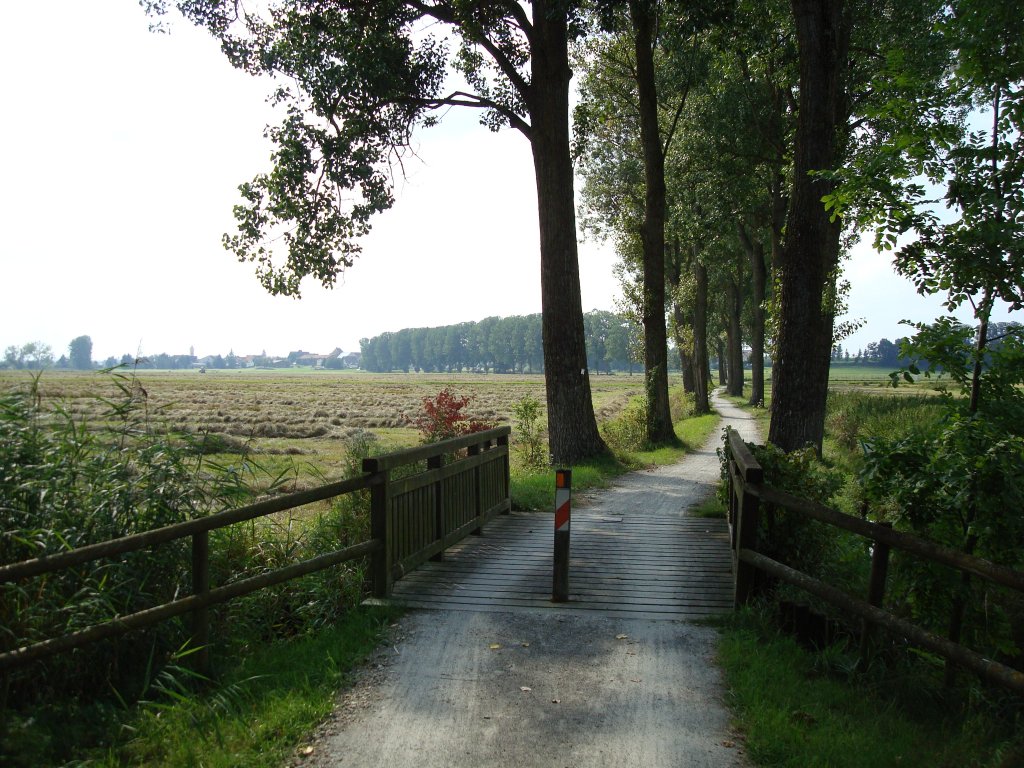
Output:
x,y
255,715
805,709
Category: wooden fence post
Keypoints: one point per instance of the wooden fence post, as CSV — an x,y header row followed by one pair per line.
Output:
x,y
380,529
876,591
474,450
506,472
436,462
201,616
731,469
748,514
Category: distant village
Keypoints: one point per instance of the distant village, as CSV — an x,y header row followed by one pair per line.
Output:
x,y
336,360
37,356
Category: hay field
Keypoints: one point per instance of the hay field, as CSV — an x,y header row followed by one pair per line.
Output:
x,y
303,413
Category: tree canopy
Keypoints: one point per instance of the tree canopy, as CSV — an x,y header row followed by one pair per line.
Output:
x,y
356,79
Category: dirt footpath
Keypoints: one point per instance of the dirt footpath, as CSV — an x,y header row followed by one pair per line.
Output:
x,y
545,688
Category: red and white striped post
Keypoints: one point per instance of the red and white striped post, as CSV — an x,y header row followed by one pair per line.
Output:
x,y
563,504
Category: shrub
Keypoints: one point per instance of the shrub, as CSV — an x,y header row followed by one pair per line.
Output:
x,y
443,418
63,486
529,432
960,486
628,431
681,404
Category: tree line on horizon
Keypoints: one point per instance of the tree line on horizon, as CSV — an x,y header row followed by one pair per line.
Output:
x,y
499,344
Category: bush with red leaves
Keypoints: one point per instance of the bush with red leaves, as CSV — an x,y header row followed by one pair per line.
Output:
x,y
443,418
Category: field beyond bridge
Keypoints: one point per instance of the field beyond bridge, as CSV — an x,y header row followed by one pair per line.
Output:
x,y
304,413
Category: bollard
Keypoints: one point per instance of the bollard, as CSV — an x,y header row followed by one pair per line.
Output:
x,y
563,498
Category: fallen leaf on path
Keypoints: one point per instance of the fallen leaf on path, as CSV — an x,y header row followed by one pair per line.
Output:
x,y
525,688
621,637
494,646
307,751
556,701
729,744
525,645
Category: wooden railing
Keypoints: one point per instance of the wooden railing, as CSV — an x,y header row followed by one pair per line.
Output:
x,y
412,518
747,491
420,516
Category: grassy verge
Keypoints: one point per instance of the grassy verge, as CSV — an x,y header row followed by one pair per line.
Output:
x,y
535,489
257,713
805,709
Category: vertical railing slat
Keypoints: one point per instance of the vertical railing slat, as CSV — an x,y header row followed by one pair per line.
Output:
x,y
201,616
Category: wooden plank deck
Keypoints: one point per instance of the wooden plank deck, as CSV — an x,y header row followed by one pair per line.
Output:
x,y
630,565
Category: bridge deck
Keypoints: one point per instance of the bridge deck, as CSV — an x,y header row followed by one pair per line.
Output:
x,y
630,565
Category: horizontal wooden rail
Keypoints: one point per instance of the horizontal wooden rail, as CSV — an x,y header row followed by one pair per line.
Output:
x,y
155,615
986,668
424,452
998,574
432,476
114,547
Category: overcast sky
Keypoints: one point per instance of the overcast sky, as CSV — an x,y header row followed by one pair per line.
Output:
x,y
121,155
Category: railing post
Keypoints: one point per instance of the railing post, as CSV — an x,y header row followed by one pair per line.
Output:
x,y
436,462
748,515
474,450
503,441
731,470
380,529
876,591
201,616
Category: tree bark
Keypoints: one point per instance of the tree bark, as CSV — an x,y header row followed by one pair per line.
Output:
x,y
723,364
758,282
659,417
674,276
700,340
983,315
686,358
572,427
811,249
734,337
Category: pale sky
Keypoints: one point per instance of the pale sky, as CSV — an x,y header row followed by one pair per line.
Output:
x,y
120,156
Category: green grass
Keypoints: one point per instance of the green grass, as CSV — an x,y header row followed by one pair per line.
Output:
x,y
535,489
801,709
713,507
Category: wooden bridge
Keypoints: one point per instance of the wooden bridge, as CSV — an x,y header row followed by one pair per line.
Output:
x,y
626,564
628,557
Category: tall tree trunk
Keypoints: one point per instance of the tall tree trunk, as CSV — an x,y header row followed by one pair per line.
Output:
x,y
572,427
674,276
700,340
734,340
811,250
659,416
686,359
758,282
723,364
780,202
983,315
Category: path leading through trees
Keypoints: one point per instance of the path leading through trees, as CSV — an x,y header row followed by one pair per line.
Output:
x,y
523,687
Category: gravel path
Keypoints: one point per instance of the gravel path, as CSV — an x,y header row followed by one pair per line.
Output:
x,y
455,689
